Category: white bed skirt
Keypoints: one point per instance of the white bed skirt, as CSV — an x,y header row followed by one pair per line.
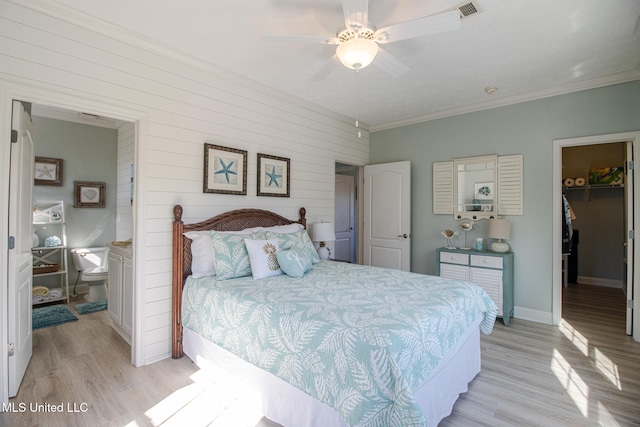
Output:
x,y
290,407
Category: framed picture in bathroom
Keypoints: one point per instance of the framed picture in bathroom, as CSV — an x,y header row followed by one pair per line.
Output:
x,y
89,194
47,171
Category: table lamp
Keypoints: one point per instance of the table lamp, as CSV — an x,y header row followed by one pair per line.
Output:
x,y
324,232
499,229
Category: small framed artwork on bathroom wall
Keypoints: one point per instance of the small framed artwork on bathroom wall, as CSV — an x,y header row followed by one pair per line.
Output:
x,y
89,194
47,171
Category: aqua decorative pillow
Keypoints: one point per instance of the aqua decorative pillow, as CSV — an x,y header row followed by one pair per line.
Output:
x,y
299,240
262,255
230,255
294,262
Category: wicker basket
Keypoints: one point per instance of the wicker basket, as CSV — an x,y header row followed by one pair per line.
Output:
x,y
42,269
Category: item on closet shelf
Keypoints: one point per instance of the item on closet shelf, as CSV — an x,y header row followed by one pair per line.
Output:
x,y
569,182
580,182
35,240
606,176
499,229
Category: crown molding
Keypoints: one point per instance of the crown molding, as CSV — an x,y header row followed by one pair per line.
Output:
x,y
572,87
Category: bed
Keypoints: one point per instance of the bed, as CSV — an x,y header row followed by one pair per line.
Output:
x,y
342,345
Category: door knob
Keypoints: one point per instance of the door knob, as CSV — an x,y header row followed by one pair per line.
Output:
x,y
404,236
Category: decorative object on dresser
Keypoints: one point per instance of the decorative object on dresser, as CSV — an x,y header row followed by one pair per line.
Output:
x,y
47,171
225,170
273,176
449,234
89,194
491,271
499,229
466,226
324,232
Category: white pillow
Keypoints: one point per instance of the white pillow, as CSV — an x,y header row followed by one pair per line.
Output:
x,y
262,255
201,254
202,259
283,229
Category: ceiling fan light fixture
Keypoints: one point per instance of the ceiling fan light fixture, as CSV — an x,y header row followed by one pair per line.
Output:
x,y
357,53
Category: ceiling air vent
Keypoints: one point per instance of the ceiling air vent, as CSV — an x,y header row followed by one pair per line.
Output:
x,y
88,116
468,9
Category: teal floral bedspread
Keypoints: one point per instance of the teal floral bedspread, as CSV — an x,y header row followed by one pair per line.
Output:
x,y
357,338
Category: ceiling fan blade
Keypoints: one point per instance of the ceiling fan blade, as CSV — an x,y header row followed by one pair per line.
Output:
x,y
356,13
298,39
326,69
419,27
390,64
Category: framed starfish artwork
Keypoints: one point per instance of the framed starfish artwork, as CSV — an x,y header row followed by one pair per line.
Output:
x,y
273,175
225,170
47,171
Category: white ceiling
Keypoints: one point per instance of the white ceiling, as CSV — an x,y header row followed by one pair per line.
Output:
x,y
526,48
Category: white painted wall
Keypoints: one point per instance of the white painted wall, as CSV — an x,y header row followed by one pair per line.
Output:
x,y
180,107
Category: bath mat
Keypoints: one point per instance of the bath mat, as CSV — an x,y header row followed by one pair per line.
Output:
x,y
51,316
91,307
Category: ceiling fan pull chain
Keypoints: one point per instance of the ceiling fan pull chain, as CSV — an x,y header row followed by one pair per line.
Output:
x,y
358,103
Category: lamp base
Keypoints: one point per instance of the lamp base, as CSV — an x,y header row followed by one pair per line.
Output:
x,y
324,252
500,247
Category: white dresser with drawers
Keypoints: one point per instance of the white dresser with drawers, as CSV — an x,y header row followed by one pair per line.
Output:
x,y
492,271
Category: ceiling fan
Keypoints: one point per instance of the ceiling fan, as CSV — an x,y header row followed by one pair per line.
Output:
x,y
358,41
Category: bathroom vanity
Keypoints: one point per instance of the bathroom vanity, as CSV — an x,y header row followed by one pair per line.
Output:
x,y
120,291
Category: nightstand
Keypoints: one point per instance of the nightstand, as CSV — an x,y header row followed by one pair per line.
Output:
x,y
492,271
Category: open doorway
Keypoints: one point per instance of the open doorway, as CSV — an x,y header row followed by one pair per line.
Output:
x,y
69,149
594,245
620,148
346,213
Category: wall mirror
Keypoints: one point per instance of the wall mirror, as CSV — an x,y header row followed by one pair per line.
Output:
x,y
475,187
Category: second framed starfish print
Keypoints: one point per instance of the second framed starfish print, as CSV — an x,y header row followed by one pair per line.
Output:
x,y
225,170
273,175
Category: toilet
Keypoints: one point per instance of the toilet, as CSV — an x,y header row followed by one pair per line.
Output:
x,y
91,264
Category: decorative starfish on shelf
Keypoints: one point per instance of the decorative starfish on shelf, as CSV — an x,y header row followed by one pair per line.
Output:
x,y
226,170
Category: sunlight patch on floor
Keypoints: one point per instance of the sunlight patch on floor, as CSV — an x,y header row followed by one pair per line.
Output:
x,y
607,367
572,334
600,360
575,386
213,399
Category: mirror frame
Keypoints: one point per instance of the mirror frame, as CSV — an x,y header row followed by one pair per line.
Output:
x,y
474,215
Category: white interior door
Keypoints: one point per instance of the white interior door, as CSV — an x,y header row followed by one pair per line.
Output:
x,y
344,245
20,264
387,215
629,240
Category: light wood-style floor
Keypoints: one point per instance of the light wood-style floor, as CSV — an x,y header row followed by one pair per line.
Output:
x,y
585,372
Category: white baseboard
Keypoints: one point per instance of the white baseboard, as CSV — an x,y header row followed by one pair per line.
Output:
x,y
525,313
598,281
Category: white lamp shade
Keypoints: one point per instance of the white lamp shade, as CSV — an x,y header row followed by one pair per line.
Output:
x,y
499,228
323,232
357,53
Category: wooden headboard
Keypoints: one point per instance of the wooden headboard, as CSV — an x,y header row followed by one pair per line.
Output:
x,y
229,221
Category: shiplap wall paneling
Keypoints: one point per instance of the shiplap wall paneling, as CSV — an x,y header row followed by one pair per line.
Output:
x,y
184,106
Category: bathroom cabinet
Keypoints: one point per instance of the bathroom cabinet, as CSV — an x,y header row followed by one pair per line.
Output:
x,y
492,271
49,253
120,292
